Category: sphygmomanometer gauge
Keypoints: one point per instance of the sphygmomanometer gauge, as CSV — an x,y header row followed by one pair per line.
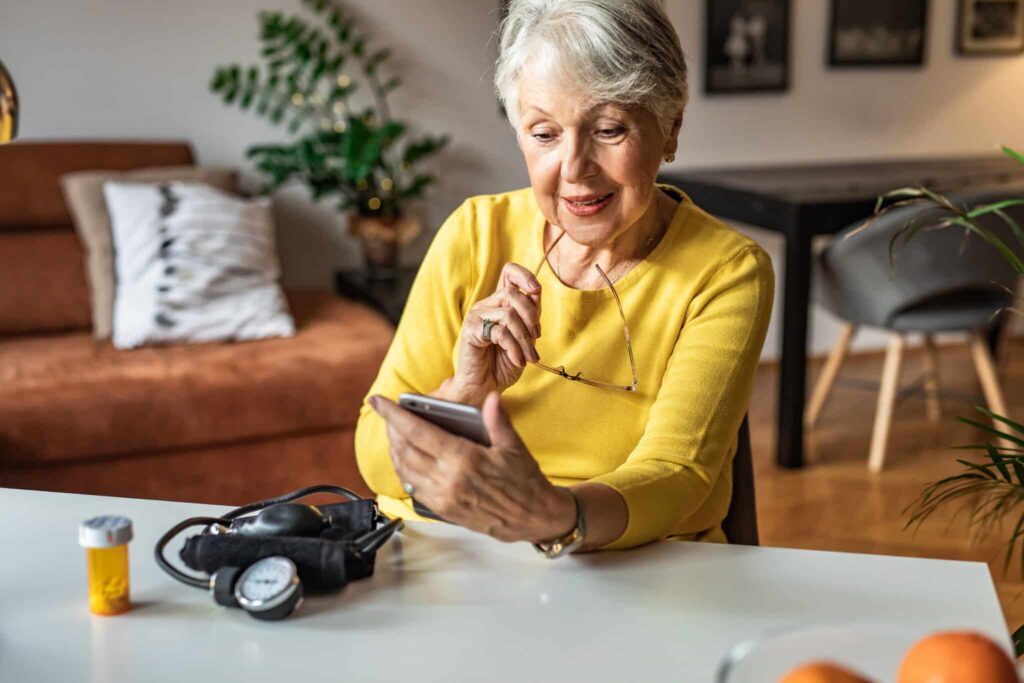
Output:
x,y
269,588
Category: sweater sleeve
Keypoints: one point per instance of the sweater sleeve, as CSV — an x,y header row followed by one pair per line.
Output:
x,y
691,431
420,357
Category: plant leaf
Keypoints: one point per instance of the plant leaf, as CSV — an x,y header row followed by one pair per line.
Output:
x,y
992,430
1015,426
992,208
999,464
1013,154
376,59
899,193
989,237
974,466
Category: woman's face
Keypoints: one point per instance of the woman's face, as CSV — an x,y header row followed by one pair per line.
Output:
x,y
592,167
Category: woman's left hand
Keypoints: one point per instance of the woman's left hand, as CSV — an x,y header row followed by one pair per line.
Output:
x,y
497,490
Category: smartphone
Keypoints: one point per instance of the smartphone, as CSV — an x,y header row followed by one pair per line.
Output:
x,y
456,418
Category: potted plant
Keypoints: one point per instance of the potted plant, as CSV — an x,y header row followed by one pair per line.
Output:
x,y
346,149
990,488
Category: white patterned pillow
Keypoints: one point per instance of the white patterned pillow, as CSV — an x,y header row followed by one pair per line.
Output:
x,y
193,264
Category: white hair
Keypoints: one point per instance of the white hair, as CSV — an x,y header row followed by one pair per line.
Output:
x,y
623,52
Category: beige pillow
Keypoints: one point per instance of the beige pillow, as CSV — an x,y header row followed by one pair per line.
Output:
x,y
83,192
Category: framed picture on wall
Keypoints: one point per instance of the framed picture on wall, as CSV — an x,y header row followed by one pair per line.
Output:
x,y
866,33
990,27
746,46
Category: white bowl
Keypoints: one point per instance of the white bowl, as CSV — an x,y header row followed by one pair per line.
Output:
x,y
871,650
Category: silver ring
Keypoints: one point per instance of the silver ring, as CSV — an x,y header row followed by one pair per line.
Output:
x,y
486,334
409,488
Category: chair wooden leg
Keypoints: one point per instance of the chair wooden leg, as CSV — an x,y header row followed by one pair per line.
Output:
x,y
886,402
823,386
931,379
986,369
1009,316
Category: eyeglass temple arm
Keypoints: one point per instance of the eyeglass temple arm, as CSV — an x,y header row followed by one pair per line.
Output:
x,y
625,328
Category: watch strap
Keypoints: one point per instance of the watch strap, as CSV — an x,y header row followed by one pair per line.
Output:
x,y
561,547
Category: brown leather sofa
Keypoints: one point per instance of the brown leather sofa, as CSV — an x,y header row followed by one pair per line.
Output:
x,y
218,423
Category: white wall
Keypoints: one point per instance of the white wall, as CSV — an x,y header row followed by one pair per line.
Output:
x,y
112,68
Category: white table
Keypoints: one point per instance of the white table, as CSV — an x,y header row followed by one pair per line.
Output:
x,y
448,605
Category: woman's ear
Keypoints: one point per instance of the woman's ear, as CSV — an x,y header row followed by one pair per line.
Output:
x,y
677,124
672,141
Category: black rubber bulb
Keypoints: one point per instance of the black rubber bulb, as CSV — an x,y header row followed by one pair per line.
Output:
x,y
283,519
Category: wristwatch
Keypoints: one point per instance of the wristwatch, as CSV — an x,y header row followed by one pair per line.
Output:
x,y
571,541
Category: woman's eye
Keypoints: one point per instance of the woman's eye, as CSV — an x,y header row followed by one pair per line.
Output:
x,y
611,132
543,137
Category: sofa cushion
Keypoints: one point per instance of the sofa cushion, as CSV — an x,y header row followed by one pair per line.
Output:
x,y
30,194
83,192
43,283
194,264
66,397
49,291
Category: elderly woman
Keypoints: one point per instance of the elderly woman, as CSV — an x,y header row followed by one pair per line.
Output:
x,y
607,326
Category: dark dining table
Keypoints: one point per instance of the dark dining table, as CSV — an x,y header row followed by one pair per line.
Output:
x,y
804,200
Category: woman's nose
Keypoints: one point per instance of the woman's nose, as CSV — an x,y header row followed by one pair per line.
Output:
x,y
576,162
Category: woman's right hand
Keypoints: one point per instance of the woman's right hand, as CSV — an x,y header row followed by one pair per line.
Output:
x,y
497,364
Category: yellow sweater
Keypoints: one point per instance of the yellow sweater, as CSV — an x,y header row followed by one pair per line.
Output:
x,y
697,308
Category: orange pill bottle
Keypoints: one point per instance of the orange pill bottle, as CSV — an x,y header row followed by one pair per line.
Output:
x,y
105,540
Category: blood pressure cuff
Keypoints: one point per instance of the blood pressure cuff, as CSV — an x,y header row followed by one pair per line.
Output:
x,y
324,563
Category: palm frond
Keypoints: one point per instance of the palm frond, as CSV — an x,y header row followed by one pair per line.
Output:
x,y
992,430
945,214
989,489
1013,154
1015,426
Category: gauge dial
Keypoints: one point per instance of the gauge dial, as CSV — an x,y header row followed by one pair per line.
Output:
x,y
269,588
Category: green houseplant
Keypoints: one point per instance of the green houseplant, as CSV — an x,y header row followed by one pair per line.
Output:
x,y
324,81
990,489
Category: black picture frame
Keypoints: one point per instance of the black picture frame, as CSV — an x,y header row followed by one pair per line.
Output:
x,y
752,59
1001,33
877,33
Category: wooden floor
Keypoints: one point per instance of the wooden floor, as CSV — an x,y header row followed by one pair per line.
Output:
x,y
836,504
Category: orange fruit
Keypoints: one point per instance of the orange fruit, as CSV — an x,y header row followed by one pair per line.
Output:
x,y
822,672
956,657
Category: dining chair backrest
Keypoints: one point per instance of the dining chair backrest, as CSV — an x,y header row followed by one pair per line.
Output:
x,y
862,284
740,524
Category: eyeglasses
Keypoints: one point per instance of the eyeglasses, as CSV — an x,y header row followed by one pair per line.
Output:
x,y
578,377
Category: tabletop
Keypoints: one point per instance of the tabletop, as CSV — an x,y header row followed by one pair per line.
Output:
x,y
802,200
843,181
449,605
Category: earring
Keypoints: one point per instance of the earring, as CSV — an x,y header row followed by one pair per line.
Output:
x,y
670,157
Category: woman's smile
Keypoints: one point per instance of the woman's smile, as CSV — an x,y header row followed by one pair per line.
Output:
x,y
588,205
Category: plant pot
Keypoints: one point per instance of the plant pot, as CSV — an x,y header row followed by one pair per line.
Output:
x,y
382,240
379,252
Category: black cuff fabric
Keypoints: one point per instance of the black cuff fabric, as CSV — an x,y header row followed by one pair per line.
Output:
x,y
324,563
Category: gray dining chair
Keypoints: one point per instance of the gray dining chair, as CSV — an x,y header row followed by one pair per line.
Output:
x,y
740,523
941,281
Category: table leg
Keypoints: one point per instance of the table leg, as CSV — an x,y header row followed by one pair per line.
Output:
x,y
996,335
789,446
